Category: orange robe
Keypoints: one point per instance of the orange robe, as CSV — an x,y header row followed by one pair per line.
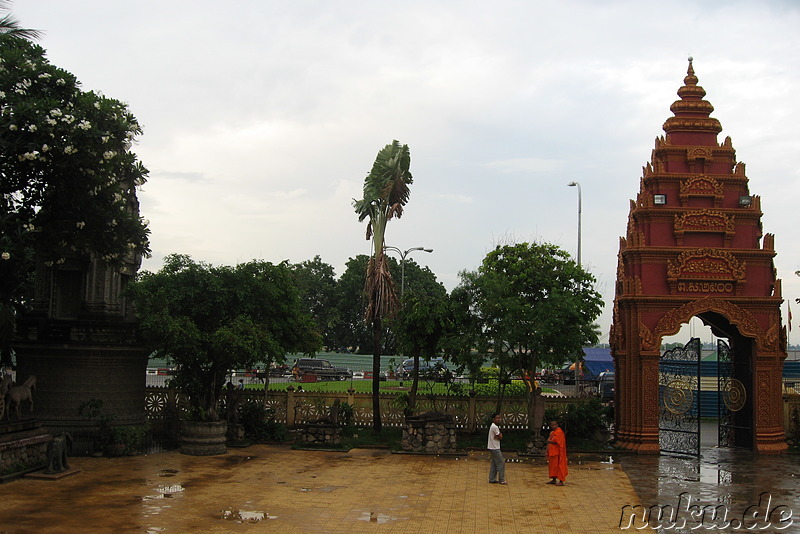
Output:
x,y
557,454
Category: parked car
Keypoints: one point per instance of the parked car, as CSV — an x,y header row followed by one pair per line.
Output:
x,y
433,368
322,368
605,385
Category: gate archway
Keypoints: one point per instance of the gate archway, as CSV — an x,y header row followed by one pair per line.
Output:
x,y
694,246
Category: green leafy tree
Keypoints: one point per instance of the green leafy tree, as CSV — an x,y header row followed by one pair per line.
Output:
x,y
349,330
532,306
210,320
67,177
386,192
463,340
316,281
422,320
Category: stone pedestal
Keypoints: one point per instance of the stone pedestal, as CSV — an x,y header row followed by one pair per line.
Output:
x,y
536,445
23,445
321,434
432,432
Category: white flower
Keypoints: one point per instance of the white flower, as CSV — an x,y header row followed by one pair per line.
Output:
x,y
56,112
84,125
2,94
70,150
97,105
45,148
51,122
12,127
45,75
104,139
6,255
80,225
61,81
32,128
69,119
108,154
29,155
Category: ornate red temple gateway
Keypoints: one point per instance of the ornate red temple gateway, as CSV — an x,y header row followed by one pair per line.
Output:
x,y
694,247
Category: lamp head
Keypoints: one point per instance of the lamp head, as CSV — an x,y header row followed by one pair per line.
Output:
x,y
572,184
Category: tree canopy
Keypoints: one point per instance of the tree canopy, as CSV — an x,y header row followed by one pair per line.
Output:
x,y
316,281
527,306
67,176
211,320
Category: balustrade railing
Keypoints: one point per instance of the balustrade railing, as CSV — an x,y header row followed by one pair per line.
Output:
x,y
165,406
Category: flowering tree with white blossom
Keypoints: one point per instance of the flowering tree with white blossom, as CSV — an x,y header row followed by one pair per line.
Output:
x,y
67,177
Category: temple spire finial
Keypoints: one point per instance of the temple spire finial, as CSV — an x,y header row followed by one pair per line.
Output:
x,y
690,79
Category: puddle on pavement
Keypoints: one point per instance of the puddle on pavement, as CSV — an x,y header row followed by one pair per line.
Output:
x,y
164,492
376,517
244,516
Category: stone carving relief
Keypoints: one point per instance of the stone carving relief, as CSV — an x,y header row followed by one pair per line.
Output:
x,y
704,220
671,322
647,340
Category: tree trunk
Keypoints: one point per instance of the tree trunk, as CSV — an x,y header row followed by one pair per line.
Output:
x,y
535,410
412,395
376,374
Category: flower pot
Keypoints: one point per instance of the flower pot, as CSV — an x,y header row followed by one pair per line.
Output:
x,y
203,438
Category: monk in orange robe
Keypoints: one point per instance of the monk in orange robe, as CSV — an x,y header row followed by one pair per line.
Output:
x,y
557,454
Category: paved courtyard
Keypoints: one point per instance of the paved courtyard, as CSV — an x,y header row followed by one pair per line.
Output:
x,y
270,488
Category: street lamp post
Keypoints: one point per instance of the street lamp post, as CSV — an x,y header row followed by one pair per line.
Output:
x,y
403,254
576,184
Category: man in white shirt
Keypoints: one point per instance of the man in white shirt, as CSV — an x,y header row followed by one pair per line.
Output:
x,y
497,471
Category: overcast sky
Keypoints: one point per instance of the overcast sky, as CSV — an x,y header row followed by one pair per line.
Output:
x,y
262,118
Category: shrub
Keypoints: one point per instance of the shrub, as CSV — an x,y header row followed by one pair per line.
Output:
x,y
514,389
581,421
259,423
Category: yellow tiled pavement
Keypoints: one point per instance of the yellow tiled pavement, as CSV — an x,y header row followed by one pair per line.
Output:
x,y
316,491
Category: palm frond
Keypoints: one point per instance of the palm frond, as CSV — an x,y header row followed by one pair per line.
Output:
x,y
10,26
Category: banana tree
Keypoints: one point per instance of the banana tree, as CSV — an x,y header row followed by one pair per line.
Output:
x,y
386,192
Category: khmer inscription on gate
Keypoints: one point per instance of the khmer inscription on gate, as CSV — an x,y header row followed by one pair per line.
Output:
x,y
706,271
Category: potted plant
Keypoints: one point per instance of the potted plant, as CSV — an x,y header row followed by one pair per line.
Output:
x,y
208,321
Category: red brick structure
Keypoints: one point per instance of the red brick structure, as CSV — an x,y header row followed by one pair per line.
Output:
x,y
694,247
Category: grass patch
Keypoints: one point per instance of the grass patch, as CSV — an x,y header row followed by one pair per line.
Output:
x,y
366,438
387,387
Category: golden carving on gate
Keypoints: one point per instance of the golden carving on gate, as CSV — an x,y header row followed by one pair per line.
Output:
x,y
734,395
678,397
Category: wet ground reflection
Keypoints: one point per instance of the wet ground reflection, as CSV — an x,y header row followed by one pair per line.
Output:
x,y
722,479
